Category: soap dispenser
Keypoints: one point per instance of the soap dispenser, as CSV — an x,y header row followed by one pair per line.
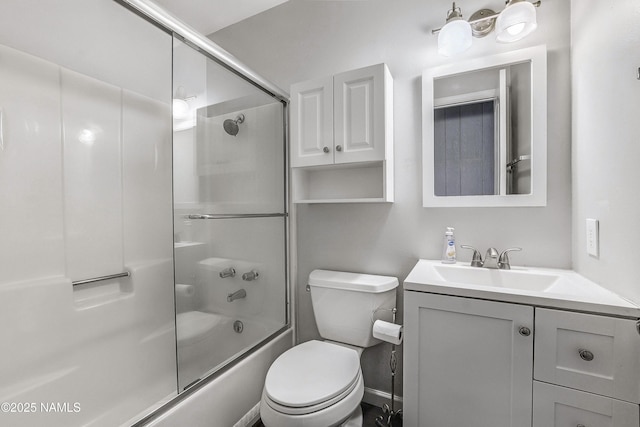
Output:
x,y
449,249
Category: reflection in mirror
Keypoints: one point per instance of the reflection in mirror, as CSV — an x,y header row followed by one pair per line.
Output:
x,y
476,117
485,132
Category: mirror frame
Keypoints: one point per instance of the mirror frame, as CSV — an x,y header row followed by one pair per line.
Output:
x,y
537,55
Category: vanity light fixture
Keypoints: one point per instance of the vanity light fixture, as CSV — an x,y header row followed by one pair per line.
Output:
x,y
515,22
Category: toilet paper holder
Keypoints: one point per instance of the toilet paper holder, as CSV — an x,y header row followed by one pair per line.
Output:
x,y
389,412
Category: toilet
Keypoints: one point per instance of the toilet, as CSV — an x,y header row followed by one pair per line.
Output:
x,y
319,383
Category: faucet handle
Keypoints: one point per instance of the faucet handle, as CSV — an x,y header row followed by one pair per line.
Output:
x,y
503,261
228,272
476,259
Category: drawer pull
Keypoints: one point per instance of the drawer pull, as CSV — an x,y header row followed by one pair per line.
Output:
x,y
585,355
524,331
580,425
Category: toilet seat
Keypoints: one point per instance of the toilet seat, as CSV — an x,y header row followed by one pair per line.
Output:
x,y
317,382
312,374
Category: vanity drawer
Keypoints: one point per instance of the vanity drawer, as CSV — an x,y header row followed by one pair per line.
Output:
x,y
587,352
555,406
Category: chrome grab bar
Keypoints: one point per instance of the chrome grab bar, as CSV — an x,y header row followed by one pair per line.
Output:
x,y
101,278
234,216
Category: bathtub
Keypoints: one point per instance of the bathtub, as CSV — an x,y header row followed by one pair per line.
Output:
x,y
208,341
230,397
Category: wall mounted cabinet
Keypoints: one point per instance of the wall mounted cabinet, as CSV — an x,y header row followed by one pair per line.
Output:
x,y
342,137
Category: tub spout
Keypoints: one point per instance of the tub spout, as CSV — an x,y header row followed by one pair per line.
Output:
x,y
237,295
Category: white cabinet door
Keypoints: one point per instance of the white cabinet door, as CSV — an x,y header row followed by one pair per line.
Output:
x,y
555,406
312,123
466,362
362,114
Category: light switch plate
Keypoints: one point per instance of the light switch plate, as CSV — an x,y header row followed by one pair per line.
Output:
x,y
593,239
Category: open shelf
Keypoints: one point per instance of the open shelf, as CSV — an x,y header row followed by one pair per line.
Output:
x,y
366,182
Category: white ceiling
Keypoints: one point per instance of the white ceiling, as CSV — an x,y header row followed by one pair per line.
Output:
x,y
208,16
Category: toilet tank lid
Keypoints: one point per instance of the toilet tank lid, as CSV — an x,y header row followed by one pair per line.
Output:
x,y
352,281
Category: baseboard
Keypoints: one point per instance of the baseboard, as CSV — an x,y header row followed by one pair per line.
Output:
x,y
379,398
371,396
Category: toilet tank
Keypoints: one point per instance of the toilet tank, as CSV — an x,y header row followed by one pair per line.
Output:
x,y
345,305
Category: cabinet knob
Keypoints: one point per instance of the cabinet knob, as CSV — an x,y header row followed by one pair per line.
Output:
x,y
325,149
585,355
524,331
338,147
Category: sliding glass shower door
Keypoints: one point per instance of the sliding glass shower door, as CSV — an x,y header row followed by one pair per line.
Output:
x,y
230,214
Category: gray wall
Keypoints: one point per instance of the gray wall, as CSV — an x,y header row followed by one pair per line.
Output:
x,y
300,40
606,132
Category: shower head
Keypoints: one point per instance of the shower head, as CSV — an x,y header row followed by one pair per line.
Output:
x,y
231,126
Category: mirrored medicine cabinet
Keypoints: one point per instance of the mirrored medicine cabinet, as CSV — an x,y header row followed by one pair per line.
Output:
x,y
484,127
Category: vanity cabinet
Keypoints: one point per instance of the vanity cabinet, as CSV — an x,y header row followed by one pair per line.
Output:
x,y
470,361
342,137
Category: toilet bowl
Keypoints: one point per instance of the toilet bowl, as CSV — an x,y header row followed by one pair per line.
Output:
x,y
320,383
315,384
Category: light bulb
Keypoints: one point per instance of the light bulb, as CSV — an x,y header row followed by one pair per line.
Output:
x,y
516,21
516,29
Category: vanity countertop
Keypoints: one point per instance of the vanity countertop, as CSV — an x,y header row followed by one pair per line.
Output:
x,y
543,287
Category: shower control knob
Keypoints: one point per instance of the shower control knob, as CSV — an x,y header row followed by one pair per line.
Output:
x,y
325,149
338,147
251,275
228,272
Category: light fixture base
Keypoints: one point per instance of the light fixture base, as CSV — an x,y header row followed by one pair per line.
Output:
x,y
486,21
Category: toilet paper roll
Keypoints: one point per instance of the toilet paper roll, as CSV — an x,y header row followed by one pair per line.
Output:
x,y
184,290
389,332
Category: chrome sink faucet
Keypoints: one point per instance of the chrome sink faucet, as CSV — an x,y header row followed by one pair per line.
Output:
x,y
491,258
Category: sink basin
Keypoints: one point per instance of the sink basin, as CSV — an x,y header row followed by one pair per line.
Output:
x,y
514,279
527,285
